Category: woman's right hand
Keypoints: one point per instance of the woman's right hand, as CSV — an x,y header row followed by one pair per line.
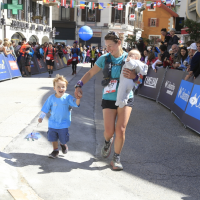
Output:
x,y
77,93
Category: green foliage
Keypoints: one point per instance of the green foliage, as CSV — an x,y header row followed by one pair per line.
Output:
x,y
130,39
193,29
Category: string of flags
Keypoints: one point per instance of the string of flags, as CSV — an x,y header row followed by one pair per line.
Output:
x,y
119,6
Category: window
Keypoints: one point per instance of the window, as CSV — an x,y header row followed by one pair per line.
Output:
x,y
153,22
131,11
154,38
118,16
90,15
152,8
65,13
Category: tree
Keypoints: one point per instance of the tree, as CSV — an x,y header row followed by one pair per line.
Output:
x,y
130,39
193,29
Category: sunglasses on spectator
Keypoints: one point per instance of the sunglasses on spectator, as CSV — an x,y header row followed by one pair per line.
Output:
x,y
171,54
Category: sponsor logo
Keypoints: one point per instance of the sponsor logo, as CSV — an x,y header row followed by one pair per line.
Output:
x,y
2,66
183,94
194,103
150,82
13,65
170,87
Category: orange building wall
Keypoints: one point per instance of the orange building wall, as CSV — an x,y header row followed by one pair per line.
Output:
x,y
163,17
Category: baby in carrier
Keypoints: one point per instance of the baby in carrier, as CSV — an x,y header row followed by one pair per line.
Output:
x,y
126,85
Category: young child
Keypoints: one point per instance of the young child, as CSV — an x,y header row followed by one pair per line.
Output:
x,y
59,104
125,84
157,61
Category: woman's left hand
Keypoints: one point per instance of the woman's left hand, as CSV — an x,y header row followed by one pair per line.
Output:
x,y
130,74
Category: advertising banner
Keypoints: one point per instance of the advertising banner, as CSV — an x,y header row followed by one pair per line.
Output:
x,y
182,98
12,65
34,65
64,60
41,65
151,84
191,117
4,71
57,62
170,87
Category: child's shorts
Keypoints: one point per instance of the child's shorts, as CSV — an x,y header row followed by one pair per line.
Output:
x,y
54,134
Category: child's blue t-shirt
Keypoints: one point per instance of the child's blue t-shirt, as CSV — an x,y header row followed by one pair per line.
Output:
x,y
60,110
115,73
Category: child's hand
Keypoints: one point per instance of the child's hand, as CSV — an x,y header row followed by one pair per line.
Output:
x,y
40,120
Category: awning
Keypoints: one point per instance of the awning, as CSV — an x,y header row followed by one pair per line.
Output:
x,y
183,31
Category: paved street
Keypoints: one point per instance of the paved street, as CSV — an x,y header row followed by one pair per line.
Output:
x,y
161,158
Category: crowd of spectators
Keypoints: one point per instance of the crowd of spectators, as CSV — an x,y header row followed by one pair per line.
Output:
x,y
172,55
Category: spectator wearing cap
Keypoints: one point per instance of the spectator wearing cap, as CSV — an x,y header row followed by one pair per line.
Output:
x,y
173,39
93,55
194,67
177,57
140,45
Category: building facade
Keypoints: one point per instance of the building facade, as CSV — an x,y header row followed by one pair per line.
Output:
x,y
193,10
155,19
68,21
34,22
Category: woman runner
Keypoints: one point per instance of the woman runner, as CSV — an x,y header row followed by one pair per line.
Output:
x,y
111,113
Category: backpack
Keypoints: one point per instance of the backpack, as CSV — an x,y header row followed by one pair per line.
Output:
x,y
47,51
17,53
75,52
38,53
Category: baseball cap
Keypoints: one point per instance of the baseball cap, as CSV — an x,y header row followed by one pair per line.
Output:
x,y
193,46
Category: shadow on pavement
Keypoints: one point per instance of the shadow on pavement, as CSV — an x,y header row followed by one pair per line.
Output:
x,y
48,165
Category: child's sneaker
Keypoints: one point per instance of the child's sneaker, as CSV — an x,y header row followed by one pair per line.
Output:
x,y
64,148
54,154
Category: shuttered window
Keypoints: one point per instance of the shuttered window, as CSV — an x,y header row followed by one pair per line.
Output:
x,y
153,22
90,15
65,13
118,16
71,14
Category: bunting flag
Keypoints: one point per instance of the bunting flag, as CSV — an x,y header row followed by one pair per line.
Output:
x,y
91,5
101,5
164,1
120,6
130,4
46,1
63,2
154,5
148,4
108,5
72,4
159,3
82,5
168,2
66,6
139,5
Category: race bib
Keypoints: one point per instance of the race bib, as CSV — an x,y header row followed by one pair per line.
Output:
x,y
111,87
47,58
92,58
74,59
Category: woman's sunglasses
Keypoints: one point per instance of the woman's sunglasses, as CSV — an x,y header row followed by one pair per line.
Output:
x,y
171,54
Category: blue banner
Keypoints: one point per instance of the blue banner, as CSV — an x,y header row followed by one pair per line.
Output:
x,y
193,108
12,65
4,71
183,94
